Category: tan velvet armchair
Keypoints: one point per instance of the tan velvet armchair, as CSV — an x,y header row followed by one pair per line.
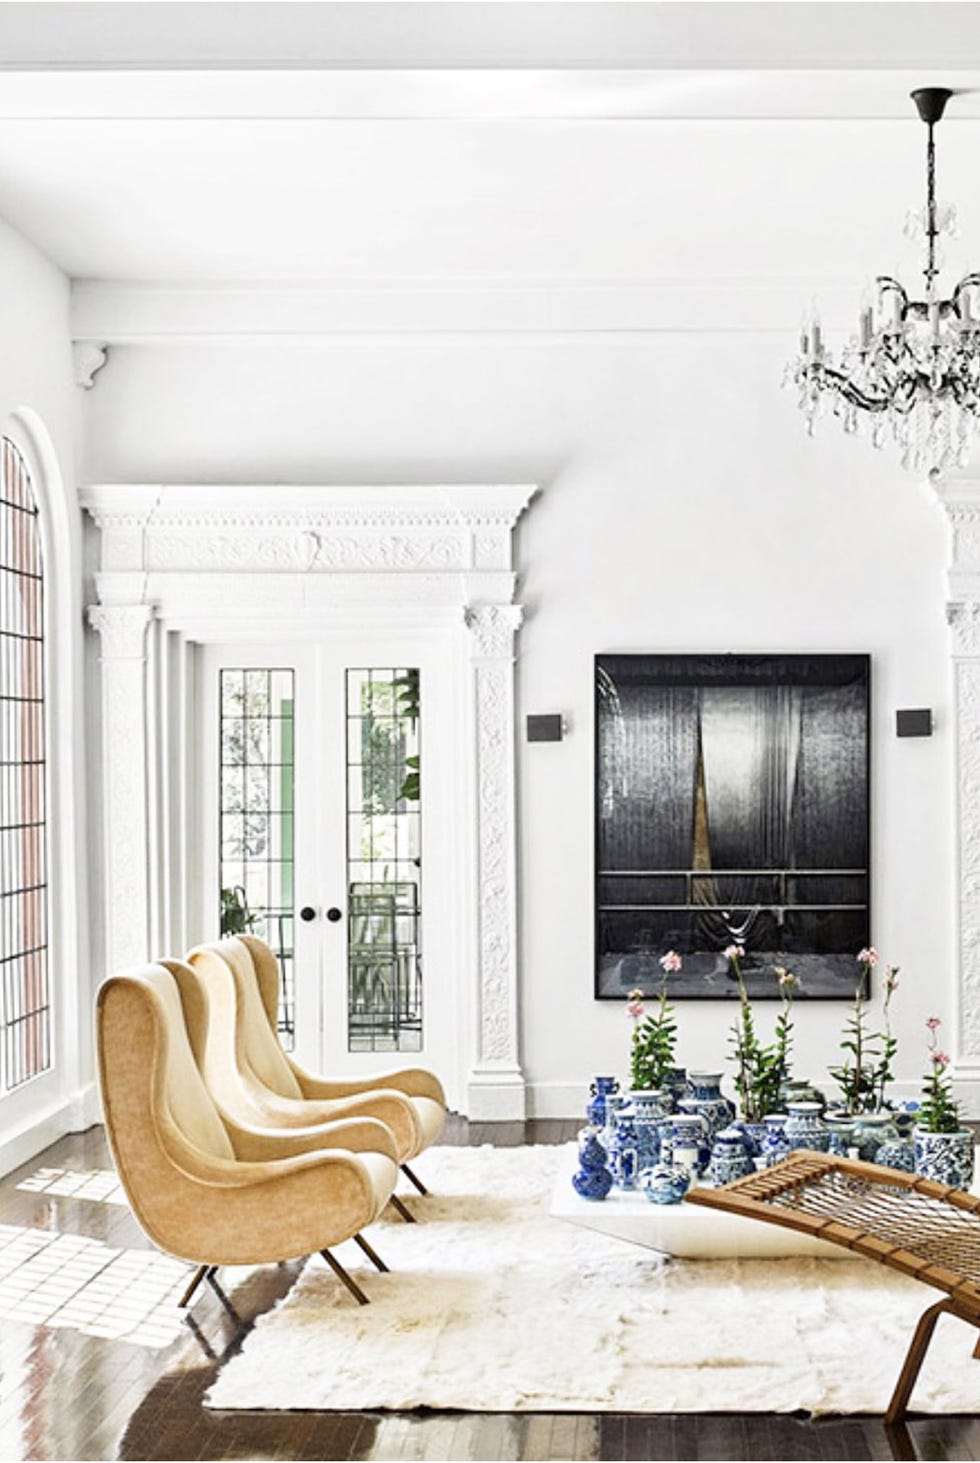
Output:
x,y
213,1193
252,1074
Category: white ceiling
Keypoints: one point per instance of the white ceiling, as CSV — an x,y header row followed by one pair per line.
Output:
x,y
456,142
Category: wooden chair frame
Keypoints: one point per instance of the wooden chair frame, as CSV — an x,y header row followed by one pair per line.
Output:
x,y
860,1206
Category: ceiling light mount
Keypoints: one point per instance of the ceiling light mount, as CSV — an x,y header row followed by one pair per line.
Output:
x,y
914,365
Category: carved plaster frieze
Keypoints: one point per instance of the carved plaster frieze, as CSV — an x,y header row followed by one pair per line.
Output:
x,y
302,549
492,629
122,629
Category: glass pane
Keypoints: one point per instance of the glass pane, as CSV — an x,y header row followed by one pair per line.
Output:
x,y
256,810
384,974
25,1010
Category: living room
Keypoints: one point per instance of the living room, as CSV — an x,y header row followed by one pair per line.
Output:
x,y
419,561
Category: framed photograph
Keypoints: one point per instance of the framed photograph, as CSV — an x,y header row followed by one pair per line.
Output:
x,y
732,808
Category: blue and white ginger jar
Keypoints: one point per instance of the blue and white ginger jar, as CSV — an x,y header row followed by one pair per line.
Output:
x,y
706,1098
730,1159
775,1144
805,1128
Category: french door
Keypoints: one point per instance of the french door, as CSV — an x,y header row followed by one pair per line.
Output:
x,y
329,776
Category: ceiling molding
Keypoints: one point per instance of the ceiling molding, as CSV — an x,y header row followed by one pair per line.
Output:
x,y
121,314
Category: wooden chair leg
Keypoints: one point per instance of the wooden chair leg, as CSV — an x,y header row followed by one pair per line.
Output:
x,y
414,1178
348,1280
976,1350
372,1254
403,1210
913,1361
199,1275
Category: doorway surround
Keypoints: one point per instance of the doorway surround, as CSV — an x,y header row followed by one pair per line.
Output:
x,y
183,566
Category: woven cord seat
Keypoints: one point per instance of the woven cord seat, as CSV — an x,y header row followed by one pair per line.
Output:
x,y
927,1230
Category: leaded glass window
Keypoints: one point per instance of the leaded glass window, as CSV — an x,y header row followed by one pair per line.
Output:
x,y
25,996
257,789
384,861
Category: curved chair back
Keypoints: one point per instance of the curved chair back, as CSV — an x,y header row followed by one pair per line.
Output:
x,y
158,1113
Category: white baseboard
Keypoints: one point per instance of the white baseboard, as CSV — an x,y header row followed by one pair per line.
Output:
x,y
61,1115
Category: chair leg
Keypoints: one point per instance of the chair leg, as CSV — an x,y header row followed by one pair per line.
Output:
x,y
200,1274
403,1210
976,1350
341,1274
372,1255
414,1178
913,1361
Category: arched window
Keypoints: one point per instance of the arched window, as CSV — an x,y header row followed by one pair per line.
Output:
x,y
25,1005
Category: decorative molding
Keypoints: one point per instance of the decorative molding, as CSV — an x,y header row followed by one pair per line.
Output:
x,y
963,618
209,562
129,314
87,361
125,768
492,628
121,629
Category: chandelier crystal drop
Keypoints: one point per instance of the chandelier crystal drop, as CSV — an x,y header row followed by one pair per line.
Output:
x,y
912,371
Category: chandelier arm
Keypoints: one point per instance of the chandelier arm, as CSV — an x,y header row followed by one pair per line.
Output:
x,y
829,376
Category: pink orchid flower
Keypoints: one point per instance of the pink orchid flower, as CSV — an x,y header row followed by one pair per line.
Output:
x,y
636,1009
868,956
670,962
941,1059
734,952
934,1023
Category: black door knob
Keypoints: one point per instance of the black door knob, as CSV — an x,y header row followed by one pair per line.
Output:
x,y
307,913
334,914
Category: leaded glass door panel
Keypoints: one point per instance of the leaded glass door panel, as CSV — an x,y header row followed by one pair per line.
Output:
x,y
330,841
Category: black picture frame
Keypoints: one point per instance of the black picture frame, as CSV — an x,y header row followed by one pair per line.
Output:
x,y
732,805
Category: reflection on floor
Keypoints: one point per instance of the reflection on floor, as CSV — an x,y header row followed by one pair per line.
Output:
x,y
74,1391
99,1186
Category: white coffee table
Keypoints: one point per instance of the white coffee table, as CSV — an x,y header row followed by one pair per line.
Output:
x,y
685,1230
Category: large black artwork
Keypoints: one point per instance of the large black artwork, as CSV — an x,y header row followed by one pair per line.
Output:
x,y
731,808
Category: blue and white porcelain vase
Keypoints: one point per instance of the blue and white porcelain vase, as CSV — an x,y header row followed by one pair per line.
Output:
x,y
897,1152
730,1159
602,1088
665,1184
676,1084
805,1128
651,1108
775,1144
624,1150
945,1157
840,1126
688,1143
800,1089
593,1180
753,1136
706,1098
871,1129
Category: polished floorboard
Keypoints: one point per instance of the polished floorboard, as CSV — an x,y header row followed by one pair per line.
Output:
x,y
68,1395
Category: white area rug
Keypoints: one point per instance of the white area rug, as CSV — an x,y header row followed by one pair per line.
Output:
x,y
494,1306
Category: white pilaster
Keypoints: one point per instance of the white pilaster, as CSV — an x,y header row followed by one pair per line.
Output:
x,y
122,628
496,1085
961,500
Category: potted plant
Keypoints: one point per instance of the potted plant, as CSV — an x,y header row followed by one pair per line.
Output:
x,y
760,1069
943,1147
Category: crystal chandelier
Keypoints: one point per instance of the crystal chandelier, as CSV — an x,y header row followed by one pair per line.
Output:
x,y
913,369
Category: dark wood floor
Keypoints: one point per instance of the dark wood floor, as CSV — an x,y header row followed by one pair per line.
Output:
x,y
64,1395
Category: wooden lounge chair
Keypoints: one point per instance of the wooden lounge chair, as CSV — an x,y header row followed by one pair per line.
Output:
x,y
927,1230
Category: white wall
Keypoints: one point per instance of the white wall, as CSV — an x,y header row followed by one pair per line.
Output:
x,y
682,508
38,408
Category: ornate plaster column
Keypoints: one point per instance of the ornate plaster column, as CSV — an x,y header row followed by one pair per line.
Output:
x,y
496,1087
961,500
122,628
